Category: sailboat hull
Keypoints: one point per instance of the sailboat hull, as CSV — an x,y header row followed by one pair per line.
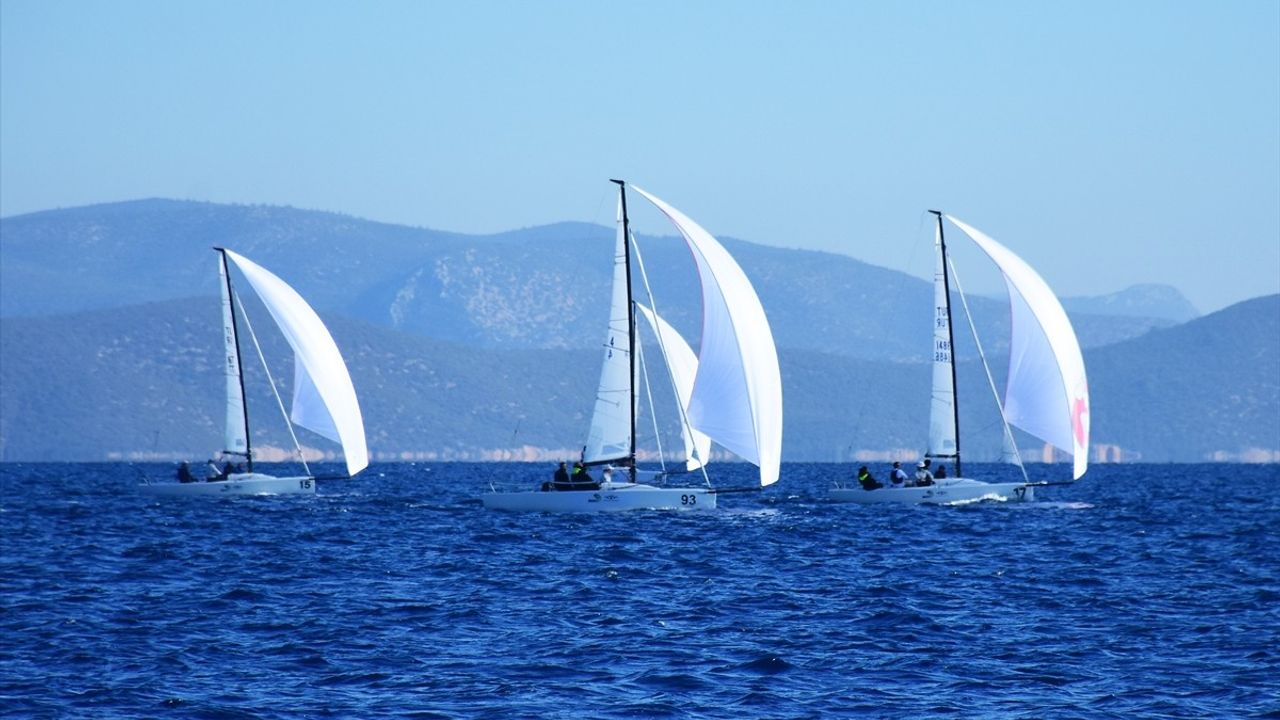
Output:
x,y
240,484
611,497
944,492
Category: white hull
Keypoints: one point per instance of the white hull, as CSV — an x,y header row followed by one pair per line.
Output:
x,y
949,490
611,497
240,484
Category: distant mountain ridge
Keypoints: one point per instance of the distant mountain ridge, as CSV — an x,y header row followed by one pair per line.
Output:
x,y
523,289
1146,300
144,381
486,347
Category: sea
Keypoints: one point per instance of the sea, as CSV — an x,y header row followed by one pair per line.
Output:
x,y
1142,591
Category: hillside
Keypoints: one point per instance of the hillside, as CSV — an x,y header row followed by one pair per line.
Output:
x,y
535,288
1209,386
145,380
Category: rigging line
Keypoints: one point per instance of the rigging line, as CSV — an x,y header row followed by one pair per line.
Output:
x,y
973,329
648,391
902,288
272,382
684,415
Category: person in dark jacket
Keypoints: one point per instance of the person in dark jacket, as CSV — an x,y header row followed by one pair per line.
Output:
x,y
865,479
897,476
184,473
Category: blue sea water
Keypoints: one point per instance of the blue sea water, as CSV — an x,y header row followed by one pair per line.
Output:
x,y
1144,591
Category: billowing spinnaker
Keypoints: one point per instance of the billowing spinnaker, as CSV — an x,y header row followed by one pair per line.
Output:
x,y
610,435
737,395
1047,393
682,364
324,399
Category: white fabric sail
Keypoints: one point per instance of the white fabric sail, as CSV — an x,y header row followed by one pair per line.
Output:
x,y
942,409
324,399
236,437
737,394
1047,393
682,364
610,435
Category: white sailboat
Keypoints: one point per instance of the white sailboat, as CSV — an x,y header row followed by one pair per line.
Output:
x,y
731,393
324,399
1046,393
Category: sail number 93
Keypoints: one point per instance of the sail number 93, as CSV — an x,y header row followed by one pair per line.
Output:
x,y
688,499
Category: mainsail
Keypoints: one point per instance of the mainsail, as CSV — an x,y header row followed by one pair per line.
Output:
x,y
609,438
737,394
682,364
236,436
942,408
1047,393
324,399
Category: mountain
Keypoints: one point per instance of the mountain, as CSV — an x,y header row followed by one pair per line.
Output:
x,y
534,288
1208,389
1153,301
145,381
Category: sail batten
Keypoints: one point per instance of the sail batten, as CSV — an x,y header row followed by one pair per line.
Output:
x,y
737,394
324,399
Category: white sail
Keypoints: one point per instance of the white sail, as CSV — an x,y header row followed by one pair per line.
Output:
x,y
942,409
236,437
682,364
1047,393
610,435
737,394
324,399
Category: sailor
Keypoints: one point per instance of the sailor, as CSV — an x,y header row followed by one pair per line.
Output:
x,y
582,479
213,473
923,476
865,479
942,471
562,475
608,475
898,477
184,473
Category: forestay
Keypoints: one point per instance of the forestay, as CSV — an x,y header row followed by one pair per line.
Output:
x,y
610,435
1047,393
324,399
682,364
737,394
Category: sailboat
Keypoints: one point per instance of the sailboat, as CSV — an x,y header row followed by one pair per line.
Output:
x,y
324,399
1046,393
733,398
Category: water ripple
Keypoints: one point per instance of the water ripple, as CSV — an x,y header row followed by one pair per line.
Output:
x,y
397,595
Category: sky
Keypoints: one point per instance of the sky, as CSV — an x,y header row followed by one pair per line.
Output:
x,y
1108,143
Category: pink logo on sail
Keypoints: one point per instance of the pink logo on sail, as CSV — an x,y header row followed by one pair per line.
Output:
x,y
1079,413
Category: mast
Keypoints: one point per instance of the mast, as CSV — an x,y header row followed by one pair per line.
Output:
x,y
631,326
951,338
235,338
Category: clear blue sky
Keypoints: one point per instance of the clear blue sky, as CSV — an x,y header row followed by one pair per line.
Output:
x,y
1109,143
